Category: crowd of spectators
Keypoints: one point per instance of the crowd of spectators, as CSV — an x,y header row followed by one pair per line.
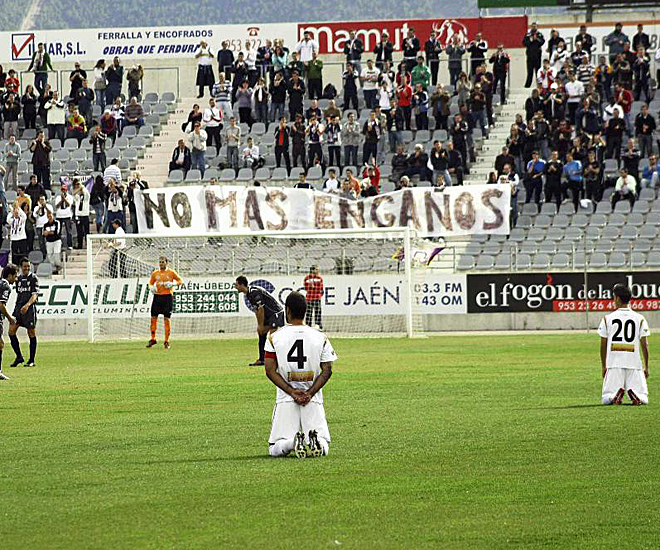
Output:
x,y
589,123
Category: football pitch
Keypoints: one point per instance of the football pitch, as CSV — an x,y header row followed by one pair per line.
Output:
x,y
450,441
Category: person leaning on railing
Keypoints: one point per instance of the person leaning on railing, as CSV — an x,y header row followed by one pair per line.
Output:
x,y
40,65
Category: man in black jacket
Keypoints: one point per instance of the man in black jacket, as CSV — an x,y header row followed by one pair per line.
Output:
x,y
588,42
383,50
296,94
641,39
181,159
225,60
298,133
282,136
456,163
533,42
478,49
350,78
433,49
410,48
41,149
353,48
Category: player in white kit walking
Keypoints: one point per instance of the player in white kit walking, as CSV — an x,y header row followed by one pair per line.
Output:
x,y
299,362
623,333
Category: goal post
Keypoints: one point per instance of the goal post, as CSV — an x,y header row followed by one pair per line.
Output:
x,y
368,280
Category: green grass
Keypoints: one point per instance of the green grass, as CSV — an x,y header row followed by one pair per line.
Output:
x,y
457,442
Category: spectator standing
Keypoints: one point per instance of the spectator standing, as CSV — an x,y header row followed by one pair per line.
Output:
x,y
534,179
75,126
56,112
306,49
586,41
115,206
353,49
260,98
420,74
17,234
225,60
40,65
282,139
313,284
440,101
642,75
100,83
455,51
369,80
108,125
64,213
372,130
296,95
350,136
233,137
112,172
10,112
554,170
315,76
630,159
641,39
644,128
500,61
333,139
98,139
533,43
81,205
593,179
404,95
205,76
278,90
76,78
97,200
12,157
420,103
244,100
573,170
222,95
624,98
11,83
40,214
383,50
351,83
52,236
411,47
135,184
134,78
85,100
553,41
197,139
29,102
114,76
298,134
478,49
575,90
615,41
34,190
439,159
213,124
315,133
433,49
40,149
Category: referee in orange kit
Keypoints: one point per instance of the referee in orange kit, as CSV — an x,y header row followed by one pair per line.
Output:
x,y
162,283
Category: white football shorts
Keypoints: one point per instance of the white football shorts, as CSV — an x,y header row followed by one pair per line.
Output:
x,y
628,379
289,418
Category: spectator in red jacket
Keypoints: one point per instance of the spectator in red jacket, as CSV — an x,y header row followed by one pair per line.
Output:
x,y
313,285
373,173
404,95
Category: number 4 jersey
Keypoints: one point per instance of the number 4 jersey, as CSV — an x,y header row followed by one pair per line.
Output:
x,y
623,329
299,351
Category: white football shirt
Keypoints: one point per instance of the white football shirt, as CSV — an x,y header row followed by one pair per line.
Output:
x,y
300,350
623,328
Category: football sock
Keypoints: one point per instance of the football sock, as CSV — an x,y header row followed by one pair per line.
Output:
x,y
33,349
0,359
154,324
167,329
324,445
282,447
16,346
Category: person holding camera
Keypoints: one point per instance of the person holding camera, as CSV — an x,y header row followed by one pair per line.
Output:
x,y
533,43
98,139
135,184
40,149
40,214
81,200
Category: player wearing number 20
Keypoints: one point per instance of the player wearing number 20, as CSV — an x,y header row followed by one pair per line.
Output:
x,y
299,362
623,333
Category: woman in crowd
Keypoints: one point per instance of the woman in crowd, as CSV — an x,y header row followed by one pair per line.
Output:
x,y
193,116
100,83
29,102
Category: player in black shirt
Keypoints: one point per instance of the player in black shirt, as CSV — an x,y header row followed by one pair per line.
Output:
x,y
8,278
269,312
25,312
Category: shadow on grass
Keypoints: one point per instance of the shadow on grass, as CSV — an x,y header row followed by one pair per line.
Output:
x,y
198,460
582,406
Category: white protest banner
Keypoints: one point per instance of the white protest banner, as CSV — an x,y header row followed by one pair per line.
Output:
x,y
344,295
139,42
454,211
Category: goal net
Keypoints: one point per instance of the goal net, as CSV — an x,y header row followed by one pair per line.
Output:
x,y
367,281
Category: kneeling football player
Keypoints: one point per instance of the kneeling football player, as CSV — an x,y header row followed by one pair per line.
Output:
x,y
299,362
623,334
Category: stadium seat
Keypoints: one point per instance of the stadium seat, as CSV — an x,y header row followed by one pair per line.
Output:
x,y
387,187
617,219
560,261
193,176
211,173
524,221
597,260
542,221
603,207
474,249
485,262
541,261
517,234
79,155
561,221
536,234
175,177
161,110
523,261
150,97
555,234
169,99
622,207
295,172
465,263
636,219
622,245
638,259
617,260
262,174
628,232
530,209
567,208
653,259
549,208
244,175
642,245
641,206
646,194
279,174
36,257
70,144
128,132
314,173
71,166
648,231
45,270
62,155
258,128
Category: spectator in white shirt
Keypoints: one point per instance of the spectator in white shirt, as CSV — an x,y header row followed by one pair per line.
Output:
x,y
40,214
331,185
117,262
17,234
197,139
305,48
81,209
250,155
625,188
115,198
205,76
64,213
212,124
369,79
112,172
575,90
